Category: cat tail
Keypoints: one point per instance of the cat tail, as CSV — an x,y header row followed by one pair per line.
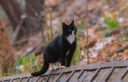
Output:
x,y
44,68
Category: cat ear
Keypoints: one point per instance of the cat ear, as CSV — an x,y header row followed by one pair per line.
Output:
x,y
72,23
64,25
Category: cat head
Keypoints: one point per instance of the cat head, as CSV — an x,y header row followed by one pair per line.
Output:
x,y
69,29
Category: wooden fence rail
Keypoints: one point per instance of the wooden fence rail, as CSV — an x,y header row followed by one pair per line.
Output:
x,y
115,71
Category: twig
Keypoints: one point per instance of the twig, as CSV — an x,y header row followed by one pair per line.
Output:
x,y
87,32
119,50
60,25
51,22
29,6
90,44
15,35
40,26
46,21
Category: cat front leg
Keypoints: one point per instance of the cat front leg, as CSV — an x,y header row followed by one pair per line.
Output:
x,y
63,62
69,58
62,58
70,55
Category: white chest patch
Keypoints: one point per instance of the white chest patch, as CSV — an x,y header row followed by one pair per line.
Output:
x,y
71,38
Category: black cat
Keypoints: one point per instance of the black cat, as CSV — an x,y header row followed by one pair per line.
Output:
x,y
60,49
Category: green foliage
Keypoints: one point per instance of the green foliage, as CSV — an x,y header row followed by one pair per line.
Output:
x,y
27,62
126,31
107,33
49,36
80,27
76,56
111,23
125,40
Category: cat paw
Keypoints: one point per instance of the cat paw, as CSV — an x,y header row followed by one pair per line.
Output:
x,y
62,67
55,68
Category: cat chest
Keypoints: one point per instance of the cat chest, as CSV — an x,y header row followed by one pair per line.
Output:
x,y
71,38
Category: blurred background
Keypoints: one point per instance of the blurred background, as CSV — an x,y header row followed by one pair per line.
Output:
x,y
27,26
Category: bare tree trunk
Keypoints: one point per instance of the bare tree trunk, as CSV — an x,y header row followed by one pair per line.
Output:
x,y
12,10
6,50
31,8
